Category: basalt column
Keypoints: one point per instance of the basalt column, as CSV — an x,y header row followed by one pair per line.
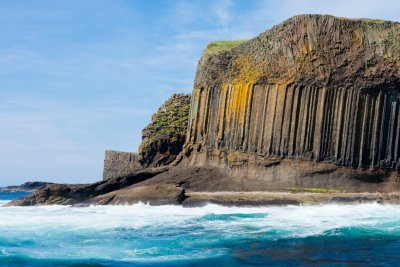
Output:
x,y
346,126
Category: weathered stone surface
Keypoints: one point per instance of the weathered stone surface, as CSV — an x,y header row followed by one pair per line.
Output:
x,y
314,87
163,138
119,164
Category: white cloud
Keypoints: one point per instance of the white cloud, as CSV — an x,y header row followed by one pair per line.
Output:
x,y
222,9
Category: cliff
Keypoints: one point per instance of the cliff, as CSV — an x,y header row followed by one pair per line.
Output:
x,y
118,164
314,87
163,138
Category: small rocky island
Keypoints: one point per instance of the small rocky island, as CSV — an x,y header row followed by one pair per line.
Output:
x,y
306,112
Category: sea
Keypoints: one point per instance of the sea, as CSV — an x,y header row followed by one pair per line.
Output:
x,y
212,235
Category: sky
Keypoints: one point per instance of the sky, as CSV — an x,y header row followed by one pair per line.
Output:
x,y
78,77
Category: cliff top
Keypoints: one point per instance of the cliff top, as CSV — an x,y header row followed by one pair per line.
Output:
x,y
313,49
163,138
170,118
217,47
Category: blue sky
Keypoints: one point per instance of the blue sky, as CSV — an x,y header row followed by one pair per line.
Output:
x,y
79,77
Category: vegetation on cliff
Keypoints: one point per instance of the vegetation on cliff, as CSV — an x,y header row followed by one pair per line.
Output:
x,y
217,47
163,138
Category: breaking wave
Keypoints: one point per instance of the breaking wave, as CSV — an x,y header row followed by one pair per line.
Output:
x,y
213,234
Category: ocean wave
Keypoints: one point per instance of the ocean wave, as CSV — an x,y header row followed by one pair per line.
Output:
x,y
2,202
142,232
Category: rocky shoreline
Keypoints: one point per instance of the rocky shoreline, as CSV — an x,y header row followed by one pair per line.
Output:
x,y
177,196
196,186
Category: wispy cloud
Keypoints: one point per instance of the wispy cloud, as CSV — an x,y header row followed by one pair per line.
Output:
x,y
222,10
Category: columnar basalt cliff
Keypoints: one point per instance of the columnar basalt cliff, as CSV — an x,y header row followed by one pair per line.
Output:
x,y
314,87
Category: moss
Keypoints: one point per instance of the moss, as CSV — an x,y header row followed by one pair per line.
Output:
x,y
216,47
316,190
365,20
170,120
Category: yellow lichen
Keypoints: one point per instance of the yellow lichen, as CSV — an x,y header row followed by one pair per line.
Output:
x,y
221,110
357,38
245,70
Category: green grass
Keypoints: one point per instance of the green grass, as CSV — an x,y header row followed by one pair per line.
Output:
x,y
219,46
316,190
366,20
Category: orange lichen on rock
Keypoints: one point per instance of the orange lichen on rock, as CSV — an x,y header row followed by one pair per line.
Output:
x,y
357,37
245,70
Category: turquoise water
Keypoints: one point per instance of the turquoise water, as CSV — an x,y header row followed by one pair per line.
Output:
x,y
143,235
5,197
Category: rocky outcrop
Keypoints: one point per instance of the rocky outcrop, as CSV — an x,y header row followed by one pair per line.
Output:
x,y
68,194
163,138
314,87
119,164
25,187
162,141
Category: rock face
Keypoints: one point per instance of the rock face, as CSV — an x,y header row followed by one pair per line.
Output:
x,y
314,87
163,138
118,164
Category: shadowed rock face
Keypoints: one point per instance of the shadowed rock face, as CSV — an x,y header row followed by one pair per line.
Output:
x,y
314,87
163,138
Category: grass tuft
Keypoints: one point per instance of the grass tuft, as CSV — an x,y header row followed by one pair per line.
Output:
x,y
216,47
316,190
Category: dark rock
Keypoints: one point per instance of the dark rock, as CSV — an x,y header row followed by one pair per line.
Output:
x,y
163,138
66,194
120,164
26,187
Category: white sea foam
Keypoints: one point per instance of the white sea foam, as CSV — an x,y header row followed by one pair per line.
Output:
x,y
139,232
312,220
2,202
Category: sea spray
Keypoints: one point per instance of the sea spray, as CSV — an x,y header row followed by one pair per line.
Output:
x,y
176,235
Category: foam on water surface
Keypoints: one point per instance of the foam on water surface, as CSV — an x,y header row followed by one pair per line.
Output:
x,y
144,234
